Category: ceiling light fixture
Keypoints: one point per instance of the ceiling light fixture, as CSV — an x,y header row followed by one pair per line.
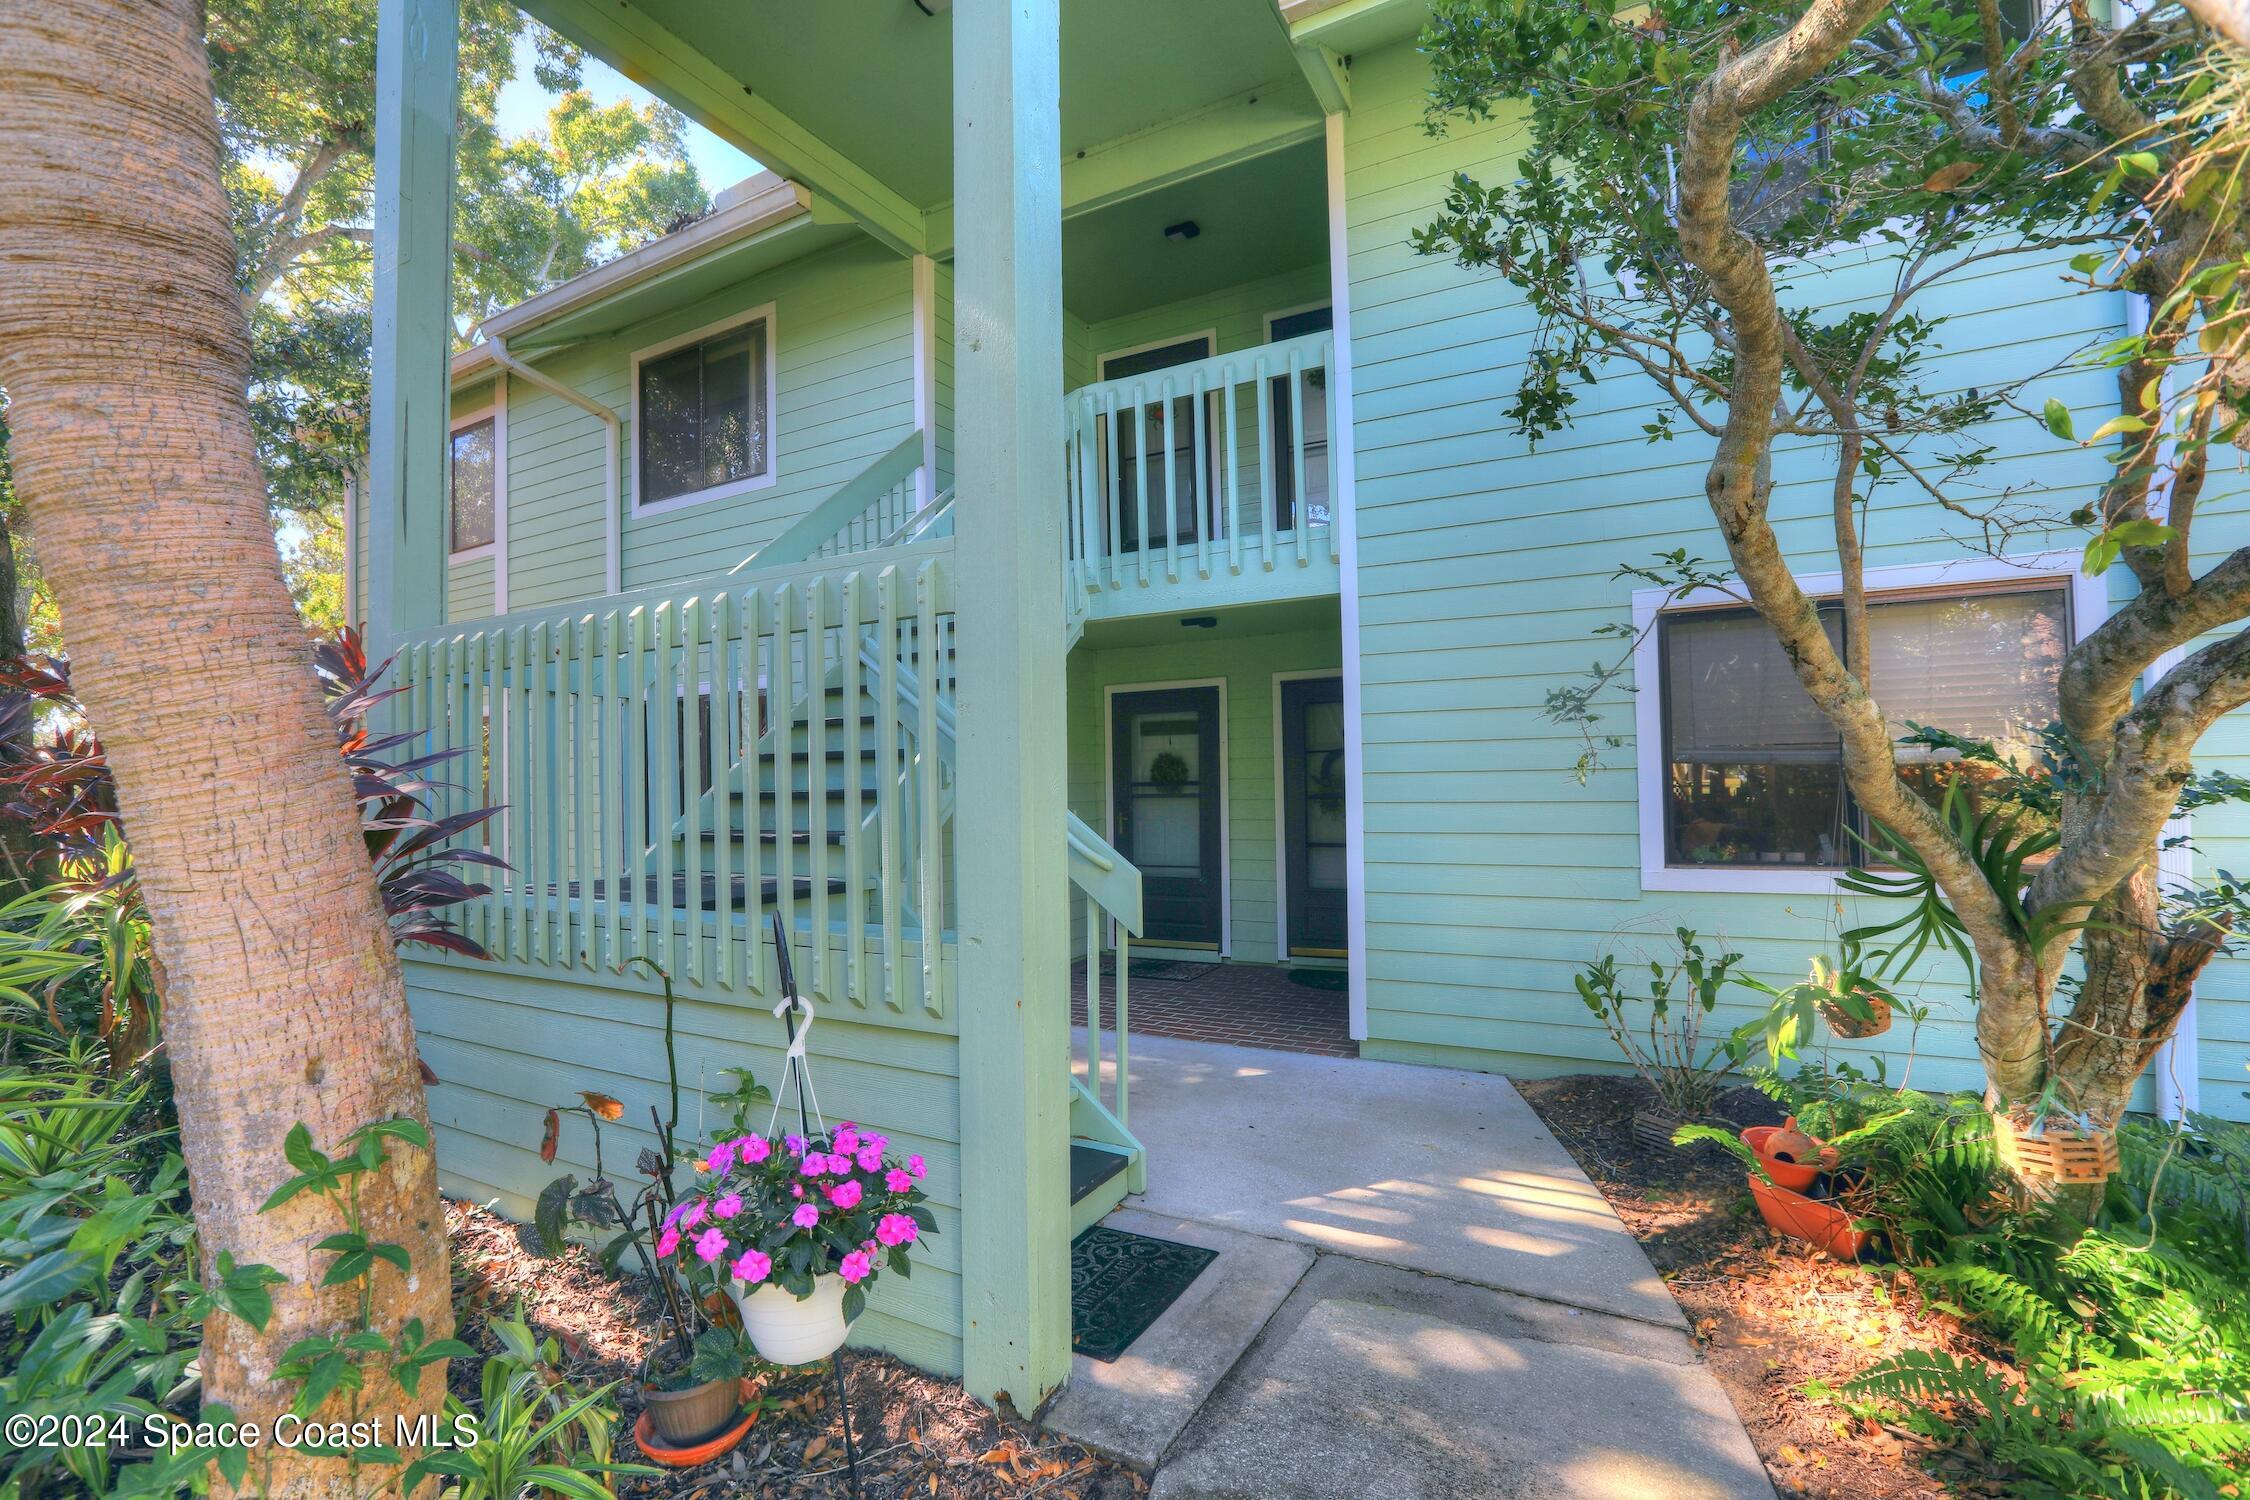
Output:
x,y
1199,622
1186,229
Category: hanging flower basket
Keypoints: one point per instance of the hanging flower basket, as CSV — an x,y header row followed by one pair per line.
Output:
x,y
2055,1153
789,1330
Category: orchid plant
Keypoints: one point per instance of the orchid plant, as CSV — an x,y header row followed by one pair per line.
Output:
x,y
781,1210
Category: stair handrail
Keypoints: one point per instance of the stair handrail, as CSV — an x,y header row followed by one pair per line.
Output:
x,y
802,537
918,525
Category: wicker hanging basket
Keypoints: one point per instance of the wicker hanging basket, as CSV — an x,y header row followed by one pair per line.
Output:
x,y
2055,1153
1850,1027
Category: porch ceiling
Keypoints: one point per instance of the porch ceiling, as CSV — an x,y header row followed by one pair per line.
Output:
x,y
1254,218
855,99
1280,618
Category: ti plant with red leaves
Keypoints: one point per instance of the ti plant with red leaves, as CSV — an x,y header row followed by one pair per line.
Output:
x,y
55,779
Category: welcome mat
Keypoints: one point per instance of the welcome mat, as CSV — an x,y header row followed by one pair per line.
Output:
x,y
1120,1283
1166,970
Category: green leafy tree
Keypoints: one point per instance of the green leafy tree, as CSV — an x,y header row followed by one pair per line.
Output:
x,y
295,88
1690,168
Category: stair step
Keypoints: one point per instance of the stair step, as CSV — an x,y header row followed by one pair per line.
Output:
x,y
651,890
1091,1165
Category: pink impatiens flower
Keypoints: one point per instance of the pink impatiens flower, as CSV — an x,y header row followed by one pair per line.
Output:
x,y
896,1180
806,1215
814,1165
915,1167
668,1241
869,1159
753,1266
854,1267
722,1156
795,1143
870,1141
727,1207
711,1244
753,1149
692,1217
845,1194
896,1229
839,1164
673,1218
847,1137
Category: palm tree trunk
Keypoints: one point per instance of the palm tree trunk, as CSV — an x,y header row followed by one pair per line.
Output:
x,y
124,351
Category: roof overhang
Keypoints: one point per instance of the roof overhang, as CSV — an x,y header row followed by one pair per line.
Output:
x,y
766,221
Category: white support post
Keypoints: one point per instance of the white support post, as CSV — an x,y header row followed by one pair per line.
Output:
x,y
1014,920
416,69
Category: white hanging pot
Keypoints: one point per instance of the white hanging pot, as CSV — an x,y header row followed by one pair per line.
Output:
x,y
788,1331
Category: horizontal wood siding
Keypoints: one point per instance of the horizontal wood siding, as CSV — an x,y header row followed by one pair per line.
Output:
x,y
1248,664
505,1046
1485,566
843,397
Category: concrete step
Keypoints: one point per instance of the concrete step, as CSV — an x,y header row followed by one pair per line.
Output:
x,y
1134,1407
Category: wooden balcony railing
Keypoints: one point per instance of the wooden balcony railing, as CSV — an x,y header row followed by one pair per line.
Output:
x,y
1184,478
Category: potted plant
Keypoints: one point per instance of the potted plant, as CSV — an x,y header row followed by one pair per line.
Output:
x,y
798,1229
1668,1051
697,1392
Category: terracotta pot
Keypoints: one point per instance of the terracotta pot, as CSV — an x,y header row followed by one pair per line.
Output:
x,y
792,1332
1785,1170
1826,1226
680,1419
696,1454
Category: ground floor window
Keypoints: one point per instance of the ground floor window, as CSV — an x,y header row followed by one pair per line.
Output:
x,y
1751,772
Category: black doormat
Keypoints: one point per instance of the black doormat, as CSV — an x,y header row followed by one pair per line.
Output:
x,y
1321,979
1120,1283
1166,970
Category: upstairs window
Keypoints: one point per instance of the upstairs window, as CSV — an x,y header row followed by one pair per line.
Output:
x,y
703,415
1753,772
1309,411
476,472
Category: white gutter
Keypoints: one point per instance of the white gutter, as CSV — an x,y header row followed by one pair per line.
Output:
x,y
612,499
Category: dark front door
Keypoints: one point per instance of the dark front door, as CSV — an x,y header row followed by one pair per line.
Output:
x,y
1165,799
1312,775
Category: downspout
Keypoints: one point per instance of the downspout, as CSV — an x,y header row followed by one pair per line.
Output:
x,y
612,500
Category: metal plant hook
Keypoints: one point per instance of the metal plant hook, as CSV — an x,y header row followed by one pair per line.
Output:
x,y
808,1110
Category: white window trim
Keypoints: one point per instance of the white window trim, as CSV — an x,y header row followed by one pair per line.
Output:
x,y
2088,605
733,487
495,413
1303,307
1281,952
1226,810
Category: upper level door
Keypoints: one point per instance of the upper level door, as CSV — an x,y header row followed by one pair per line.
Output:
x,y
1312,802
1164,798
1306,410
1157,443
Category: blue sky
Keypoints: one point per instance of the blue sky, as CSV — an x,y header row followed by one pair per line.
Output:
x,y
523,107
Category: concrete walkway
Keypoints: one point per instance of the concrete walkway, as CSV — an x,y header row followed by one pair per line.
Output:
x,y
1418,1294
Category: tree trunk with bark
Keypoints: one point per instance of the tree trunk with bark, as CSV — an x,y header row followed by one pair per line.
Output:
x,y
124,350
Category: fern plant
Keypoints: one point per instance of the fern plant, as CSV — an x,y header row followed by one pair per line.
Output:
x,y
2132,1338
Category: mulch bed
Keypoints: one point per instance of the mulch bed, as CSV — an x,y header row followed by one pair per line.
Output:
x,y
918,1435
1769,1314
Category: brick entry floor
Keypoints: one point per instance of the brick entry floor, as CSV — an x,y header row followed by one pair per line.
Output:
x,y
1244,1005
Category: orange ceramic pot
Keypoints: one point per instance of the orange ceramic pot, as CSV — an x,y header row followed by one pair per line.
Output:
x,y
1823,1225
694,1455
1793,1175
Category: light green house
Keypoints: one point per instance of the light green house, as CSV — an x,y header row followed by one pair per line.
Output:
x,y
991,533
